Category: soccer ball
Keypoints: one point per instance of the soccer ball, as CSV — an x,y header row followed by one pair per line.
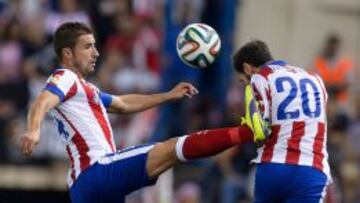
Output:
x,y
198,45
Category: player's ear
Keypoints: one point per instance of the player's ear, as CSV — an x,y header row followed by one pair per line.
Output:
x,y
247,69
67,52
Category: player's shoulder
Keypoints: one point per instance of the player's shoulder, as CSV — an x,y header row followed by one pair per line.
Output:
x,y
64,72
270,68
61,75
263,76
315,76
307,73
265,72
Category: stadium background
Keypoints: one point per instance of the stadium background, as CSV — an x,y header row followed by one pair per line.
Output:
x,y
136,40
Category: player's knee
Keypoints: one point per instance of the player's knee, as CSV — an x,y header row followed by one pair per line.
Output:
x,y
161,157
169,149
172,141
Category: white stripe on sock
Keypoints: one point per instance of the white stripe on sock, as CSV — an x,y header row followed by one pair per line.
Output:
x,y
179,148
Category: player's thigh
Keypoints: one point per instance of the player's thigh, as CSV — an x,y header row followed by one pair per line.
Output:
x,y
305,200
271,181
308,185
91,187
81,198
125,171
316,195
161,157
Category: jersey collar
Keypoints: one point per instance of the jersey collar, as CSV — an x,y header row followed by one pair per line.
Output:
x,y
276,63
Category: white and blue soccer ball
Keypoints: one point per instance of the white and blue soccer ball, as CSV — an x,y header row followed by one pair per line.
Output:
x,y
198,45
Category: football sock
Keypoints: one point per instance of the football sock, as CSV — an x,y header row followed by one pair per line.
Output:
x,y
210,142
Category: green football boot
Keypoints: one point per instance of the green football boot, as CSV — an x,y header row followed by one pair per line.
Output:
x,y
253,117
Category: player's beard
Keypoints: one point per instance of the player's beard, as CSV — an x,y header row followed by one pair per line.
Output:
x,y
84,70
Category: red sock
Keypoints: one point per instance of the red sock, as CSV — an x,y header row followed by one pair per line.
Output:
x,y
210,142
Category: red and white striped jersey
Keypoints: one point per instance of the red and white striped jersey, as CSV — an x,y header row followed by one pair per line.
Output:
x,y
293,100
81,120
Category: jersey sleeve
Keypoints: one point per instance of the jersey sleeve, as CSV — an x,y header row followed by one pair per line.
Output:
x,y
261,89
62,83
106,99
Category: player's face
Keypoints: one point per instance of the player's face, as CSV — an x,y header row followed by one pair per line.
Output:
x,y
85,54
249,71
243,78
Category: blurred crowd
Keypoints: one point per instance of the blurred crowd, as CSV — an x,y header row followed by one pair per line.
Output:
x,y
132,38
340,74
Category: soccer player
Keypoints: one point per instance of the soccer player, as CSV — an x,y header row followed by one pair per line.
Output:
x,y
292,164
99,173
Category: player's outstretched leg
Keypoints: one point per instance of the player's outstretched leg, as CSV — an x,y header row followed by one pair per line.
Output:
x,y
193,146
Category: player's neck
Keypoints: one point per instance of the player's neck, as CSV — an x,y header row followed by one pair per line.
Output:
x,y
73,69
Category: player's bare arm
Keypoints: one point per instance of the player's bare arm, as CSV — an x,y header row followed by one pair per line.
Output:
x,y
42,104
132,103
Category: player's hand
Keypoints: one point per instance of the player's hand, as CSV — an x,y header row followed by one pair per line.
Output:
x,y
28,142
181,90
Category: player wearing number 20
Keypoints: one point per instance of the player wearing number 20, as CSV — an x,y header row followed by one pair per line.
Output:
x,y
292,164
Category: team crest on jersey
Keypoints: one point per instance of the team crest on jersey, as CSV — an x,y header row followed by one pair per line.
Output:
x,y
54,79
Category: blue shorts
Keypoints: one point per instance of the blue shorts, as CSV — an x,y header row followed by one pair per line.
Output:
x,y
113,177
280,183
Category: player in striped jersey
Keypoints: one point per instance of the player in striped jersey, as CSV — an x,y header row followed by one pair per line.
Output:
x,y
98,172
292,164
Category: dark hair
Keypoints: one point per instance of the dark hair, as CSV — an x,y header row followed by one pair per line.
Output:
x,y
255,53
67,34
